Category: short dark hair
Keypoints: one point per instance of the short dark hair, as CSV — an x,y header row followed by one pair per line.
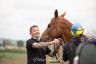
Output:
x,y
32,27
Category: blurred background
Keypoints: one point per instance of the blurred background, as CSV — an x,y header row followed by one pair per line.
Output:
x,y
16,17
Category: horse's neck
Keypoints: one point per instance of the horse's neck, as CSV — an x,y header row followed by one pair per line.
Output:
x,y
64,39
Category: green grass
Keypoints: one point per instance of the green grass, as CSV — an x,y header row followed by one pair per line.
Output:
x,y
11,53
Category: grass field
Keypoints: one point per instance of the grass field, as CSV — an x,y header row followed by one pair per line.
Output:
x,y
12,57
18,57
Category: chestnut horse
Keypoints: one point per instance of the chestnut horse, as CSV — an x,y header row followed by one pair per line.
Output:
x,y
59,27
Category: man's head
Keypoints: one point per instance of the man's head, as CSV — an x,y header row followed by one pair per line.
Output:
x,y
34,31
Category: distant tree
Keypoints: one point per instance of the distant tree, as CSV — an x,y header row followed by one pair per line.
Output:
x,y
20,43
6,42
1,42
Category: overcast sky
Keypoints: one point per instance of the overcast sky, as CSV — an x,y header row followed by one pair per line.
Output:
x,y
16,16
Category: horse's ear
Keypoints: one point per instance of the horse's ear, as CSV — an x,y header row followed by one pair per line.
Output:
x,y
63,14
56,13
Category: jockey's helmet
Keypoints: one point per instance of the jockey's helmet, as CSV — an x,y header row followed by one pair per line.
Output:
x,y
77,30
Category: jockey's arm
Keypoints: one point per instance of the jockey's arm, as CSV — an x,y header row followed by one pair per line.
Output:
x,y
66,52
44,44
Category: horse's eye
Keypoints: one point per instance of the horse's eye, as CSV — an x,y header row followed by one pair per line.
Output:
x,y
49,25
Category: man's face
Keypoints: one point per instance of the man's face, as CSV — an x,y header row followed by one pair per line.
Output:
x,y
35,32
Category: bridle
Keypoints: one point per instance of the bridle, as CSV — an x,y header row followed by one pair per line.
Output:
x,y
57,56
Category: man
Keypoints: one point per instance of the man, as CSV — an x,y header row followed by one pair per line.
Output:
x,y
70,47
86,52
36,51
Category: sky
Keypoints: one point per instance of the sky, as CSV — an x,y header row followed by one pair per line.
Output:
x,y
17,16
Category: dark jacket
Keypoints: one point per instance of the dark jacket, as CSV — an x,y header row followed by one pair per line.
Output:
x,y
87,52
69,51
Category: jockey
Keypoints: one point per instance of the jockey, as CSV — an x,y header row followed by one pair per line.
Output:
x,y
70,47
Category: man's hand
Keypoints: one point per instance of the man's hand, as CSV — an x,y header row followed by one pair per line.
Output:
x,y
61,41
58,41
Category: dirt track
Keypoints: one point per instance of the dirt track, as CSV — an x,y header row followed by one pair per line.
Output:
x,y
21,60
18,60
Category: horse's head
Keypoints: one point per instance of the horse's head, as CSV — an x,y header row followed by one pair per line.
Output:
x,y
59,27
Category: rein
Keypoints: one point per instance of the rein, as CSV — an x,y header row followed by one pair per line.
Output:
x,y
57,56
